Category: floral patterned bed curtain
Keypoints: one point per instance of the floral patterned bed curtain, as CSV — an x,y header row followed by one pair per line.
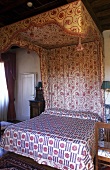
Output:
x,y
71,79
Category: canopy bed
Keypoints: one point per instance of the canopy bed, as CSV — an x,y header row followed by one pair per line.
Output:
x,y
62,139
70,49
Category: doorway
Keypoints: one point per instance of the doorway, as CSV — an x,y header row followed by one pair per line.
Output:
x,y
25,92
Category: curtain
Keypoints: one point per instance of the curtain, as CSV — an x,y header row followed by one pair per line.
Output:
x,y
72,79
3,94
10,72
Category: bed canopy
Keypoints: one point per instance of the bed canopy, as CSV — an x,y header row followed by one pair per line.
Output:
x,y
71,79
56,28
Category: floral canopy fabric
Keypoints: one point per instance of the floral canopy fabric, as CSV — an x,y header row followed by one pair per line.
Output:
x,y
58,27
71,78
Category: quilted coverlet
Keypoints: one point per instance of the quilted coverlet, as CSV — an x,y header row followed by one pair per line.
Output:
x,y
58,141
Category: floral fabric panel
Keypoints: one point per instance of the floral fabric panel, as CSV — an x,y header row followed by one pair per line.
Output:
x,y
72,79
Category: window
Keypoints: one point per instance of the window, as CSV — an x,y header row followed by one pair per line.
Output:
x,y
3,93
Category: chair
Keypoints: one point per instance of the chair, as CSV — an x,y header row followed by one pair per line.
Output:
x,y
102,136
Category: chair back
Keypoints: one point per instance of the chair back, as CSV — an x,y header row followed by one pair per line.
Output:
x,y
102,136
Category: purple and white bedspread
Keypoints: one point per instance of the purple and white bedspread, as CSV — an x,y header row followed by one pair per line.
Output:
x,y
55,139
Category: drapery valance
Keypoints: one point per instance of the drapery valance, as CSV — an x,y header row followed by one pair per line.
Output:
x,y
73,20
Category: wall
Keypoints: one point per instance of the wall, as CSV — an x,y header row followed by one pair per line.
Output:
x,y
106,35
26,62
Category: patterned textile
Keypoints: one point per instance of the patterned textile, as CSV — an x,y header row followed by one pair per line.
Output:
x,y
9,169
103,153
11,161
72,79
73,20
73,114
62,142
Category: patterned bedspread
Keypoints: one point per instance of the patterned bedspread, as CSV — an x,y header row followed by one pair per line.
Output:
x,y
58,141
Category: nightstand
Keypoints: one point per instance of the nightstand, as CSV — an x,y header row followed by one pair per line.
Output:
x,y
36,107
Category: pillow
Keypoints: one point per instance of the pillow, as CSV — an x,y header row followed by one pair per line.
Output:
x,y
87,115
73,114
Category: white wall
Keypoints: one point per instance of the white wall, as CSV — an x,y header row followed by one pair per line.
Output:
x,y
106,35
26,62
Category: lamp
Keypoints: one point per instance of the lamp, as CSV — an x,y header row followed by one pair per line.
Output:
x,y
39,92
106,86
39,85
29,4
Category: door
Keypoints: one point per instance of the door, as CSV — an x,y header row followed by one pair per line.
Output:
x,y
27,93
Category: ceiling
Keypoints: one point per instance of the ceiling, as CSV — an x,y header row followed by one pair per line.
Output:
x,y
13,11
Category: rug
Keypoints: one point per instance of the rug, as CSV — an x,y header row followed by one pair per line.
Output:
x,y
14,162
